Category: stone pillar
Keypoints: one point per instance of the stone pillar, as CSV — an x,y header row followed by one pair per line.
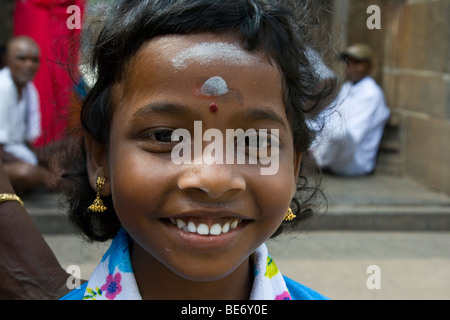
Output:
x,y
417,83
413,67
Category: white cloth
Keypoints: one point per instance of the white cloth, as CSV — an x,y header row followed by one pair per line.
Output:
x,y
113,279
354,125
20,120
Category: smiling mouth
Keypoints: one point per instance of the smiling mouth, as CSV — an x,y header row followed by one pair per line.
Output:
x,y
206,227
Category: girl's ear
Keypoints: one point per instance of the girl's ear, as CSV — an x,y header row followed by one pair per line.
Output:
x,y
96,163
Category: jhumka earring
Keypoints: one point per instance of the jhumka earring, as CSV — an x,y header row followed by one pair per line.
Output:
x,y
97,205
289,216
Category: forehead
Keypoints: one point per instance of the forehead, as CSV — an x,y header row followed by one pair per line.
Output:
x,y
174,62
23,47
204,49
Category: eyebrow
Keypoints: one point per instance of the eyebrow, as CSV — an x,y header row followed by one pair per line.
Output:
x,y
262,115
168,108
182,111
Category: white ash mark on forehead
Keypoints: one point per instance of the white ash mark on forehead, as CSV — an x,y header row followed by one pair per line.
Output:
x,y
207,53
215,86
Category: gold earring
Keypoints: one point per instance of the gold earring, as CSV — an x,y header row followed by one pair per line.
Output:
x,y
289,216
97,205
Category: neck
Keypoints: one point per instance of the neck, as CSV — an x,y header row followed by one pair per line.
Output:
x,y
157,282
19,90
359,80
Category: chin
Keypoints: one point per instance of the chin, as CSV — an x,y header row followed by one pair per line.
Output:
x,y
206,273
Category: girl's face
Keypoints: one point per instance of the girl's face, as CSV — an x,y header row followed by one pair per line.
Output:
x,y
200,220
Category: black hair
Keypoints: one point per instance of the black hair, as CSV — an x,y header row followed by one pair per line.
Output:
x,y
280,30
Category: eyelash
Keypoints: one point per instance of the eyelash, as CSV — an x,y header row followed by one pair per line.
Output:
x,y
270,143
157,132
160,140
264,139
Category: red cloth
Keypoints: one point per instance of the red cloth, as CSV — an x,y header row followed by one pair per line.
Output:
x,y
46,22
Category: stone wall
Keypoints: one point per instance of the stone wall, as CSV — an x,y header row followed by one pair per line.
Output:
x,y
413,67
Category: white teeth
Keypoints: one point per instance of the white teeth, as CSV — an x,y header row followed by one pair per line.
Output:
x,y
191,227
203,229
180,223
215,229
226,228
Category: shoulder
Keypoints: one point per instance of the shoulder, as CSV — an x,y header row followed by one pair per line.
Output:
x,y
301,292
6,82
367,92
76,294
32,88
369,85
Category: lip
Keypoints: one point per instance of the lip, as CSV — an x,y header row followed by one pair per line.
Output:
x,y
27,75
207,242
209,214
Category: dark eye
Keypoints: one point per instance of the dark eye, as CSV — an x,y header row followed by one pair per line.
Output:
x,y
158,140
163,135
160,135
257,141
260,141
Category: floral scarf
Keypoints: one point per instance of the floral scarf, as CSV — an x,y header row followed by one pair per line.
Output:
x,y
113,279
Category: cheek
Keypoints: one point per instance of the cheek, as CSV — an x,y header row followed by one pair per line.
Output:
x,y
275,192
138,183
278,201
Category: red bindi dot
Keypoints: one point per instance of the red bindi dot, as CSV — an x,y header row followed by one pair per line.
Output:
x,y
213,107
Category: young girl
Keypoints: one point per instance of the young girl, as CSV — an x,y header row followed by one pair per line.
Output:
x,y
193,229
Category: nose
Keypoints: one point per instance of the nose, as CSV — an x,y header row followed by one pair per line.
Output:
x,y
215,180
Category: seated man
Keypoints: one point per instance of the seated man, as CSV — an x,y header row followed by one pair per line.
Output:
x,y
20,115
349,142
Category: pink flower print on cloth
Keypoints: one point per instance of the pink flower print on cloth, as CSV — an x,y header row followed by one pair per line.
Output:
x,y
112,286
269,283
284,296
